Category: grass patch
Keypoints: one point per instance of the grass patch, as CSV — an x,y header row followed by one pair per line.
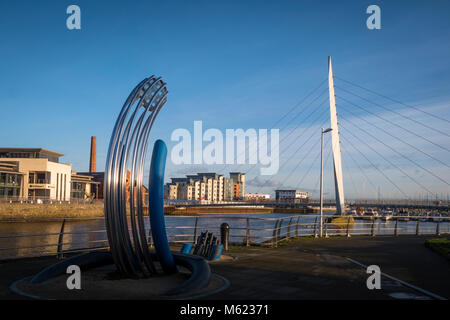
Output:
x,y
439,245
341,221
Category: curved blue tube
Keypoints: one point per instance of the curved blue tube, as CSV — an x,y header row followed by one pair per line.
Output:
x,y
156,208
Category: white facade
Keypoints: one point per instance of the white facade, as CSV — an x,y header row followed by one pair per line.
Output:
x,y
257,196
285,195
44,179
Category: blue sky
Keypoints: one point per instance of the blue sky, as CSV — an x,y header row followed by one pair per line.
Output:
x,y
231,64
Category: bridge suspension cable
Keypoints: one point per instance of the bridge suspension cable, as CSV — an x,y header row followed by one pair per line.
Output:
x,y
300,102
395,112
392,99
315,190
395,124
347,171
393,135
374,166
298,136
387,160
295,152
310,167
398,153
290,111
358,166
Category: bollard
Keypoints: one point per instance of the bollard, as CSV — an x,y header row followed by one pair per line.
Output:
x,y
274,234
315,228
224,235
247,236
59,254
150,239
348,227
417,227
395,228
373,228
296,226
195,232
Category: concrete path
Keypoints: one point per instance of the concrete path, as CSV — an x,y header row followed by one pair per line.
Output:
x,y
310,268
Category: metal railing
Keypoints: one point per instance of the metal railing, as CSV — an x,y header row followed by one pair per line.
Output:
x,y
76,235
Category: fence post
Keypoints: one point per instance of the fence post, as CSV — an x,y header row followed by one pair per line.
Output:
x,y
315,228
348,227
195,230
417,227
59,254
395,229
274,234
288,234
247,236
326,229
438,232
296,226
279,230
373,228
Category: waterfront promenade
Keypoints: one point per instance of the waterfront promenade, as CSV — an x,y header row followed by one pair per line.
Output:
x,y
307,268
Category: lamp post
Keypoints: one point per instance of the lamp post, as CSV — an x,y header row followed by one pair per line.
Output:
x,y
321,180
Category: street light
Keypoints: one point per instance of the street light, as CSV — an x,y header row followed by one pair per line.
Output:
x,y
321,180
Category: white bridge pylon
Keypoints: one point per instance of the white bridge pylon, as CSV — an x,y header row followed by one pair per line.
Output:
x,y
335,145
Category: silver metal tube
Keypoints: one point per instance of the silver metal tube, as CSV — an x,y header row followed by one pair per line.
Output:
x,y
124,177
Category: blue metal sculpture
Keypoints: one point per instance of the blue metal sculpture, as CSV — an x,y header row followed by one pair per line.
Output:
x,y
156,208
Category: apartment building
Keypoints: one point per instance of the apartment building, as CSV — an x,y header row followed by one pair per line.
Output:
x,y
211,187
238,184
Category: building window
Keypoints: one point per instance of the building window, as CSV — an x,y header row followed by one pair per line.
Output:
x,y
78,190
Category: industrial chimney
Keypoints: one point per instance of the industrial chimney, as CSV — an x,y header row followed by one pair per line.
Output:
x,y
93,158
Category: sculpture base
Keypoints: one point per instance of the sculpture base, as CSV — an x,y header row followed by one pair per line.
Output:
x,y
104,283
100,280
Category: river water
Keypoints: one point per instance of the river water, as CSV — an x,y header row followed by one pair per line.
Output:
x,y
40,237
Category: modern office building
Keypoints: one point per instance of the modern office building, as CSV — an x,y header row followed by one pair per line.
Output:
x,y
83,187
36,174
291,195
44,177
11,180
